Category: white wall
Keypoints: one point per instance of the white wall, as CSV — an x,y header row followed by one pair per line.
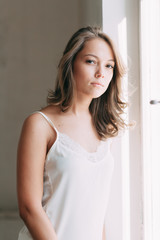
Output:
x,y
132,13
113,14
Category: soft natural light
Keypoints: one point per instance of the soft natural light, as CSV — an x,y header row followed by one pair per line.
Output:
x,y
150,87
122,40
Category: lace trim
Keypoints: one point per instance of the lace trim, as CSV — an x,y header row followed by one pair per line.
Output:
x,y
97,156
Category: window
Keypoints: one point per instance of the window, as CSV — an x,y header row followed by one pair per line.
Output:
x,y
150,90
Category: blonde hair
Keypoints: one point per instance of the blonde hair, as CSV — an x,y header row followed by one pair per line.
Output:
x,y
105,110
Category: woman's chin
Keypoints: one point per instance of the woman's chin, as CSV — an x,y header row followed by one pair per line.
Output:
x,y
97,95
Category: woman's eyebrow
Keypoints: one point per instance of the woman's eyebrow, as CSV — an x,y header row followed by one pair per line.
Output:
x,y
90,54
111,60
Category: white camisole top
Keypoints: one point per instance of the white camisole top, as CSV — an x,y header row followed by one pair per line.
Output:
x,y
76,188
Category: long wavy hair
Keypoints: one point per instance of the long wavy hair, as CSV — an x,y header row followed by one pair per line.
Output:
x,y
106,110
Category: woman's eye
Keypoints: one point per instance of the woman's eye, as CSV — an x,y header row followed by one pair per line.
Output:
x,y
90,61
109,66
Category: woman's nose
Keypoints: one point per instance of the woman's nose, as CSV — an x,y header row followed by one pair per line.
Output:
x,y
99,75
99,72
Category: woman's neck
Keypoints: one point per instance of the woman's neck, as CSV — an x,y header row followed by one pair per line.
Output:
x,y
80,106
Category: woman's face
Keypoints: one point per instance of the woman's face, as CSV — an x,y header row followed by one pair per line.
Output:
x,y
93,68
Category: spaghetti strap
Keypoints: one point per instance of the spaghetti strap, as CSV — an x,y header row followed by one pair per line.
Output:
x,y
48,120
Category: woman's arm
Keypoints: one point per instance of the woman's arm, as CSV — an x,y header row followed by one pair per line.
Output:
x,y
32,151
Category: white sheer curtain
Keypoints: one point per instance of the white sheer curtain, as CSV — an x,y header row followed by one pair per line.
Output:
x,y
150,89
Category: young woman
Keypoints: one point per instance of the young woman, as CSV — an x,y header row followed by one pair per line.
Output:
x,y
64,160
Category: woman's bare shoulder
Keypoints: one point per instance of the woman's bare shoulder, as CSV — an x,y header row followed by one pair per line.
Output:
x,y
36,123
51,110
35,119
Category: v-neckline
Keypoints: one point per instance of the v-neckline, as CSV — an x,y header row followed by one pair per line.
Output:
x,y
75,143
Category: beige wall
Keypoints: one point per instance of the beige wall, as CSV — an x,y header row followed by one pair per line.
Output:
x,y
33,35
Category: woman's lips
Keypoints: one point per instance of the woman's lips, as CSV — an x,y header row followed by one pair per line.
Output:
x,y
97,84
